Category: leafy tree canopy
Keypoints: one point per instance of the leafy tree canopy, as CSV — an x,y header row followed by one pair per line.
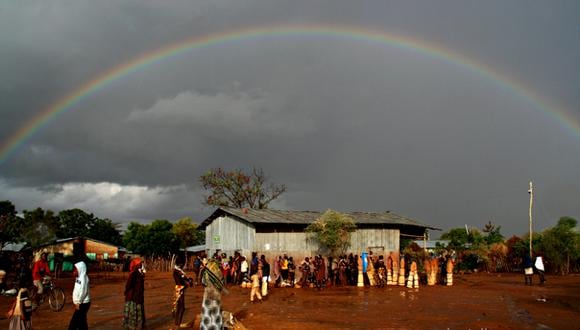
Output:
x,y
187,232
238,189
10,224
492,233
74,222
38,227
157,238
561,244
461,238
105,230
332,231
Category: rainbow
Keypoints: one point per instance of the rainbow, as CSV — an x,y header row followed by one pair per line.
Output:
x,y
69,101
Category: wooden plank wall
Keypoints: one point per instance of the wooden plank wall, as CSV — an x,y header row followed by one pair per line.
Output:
x,y
277,244
363,239
233,235
380,241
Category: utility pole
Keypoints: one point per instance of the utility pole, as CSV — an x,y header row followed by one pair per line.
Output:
x,y
531,192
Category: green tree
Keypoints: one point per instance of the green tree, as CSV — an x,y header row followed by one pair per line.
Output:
x,y
73,223
38,227
561,244
332,231
105,230
516,251
134,237
461,238
76,222
10,224
237,189
187,234
492,233
154,239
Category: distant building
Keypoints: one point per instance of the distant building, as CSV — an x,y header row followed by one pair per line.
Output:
x,y
62,249
275,232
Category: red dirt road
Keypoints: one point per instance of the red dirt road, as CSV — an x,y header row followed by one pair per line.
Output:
x,y
476,301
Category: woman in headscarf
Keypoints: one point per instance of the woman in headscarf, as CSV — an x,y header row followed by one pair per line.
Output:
x,y
134,313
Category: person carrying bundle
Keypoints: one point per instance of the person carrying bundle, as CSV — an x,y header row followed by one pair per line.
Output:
x,y
402,271
413,279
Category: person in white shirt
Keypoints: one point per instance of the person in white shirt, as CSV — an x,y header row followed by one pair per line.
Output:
x,y
81,298
244,269
539,264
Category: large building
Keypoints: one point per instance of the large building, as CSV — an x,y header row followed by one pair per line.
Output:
x,y
275,232
60,250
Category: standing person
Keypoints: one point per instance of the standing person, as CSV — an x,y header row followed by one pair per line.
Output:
x,y
20,314
284,270
181,283
434,269
413,279
277,274
320,272
305,270
244,270
342,264
371,269
235,270
395,258
134,313
402,271
225,267
81,298
443,278
2,284
381,272
24,273
539,264
255,292
291,272
528,269
254,263
350,269
449,271
389,267
196,269
427,268
265,275
39,271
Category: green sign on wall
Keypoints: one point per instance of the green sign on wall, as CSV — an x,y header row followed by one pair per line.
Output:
x,y
216,239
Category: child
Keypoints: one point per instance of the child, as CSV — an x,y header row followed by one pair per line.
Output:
x,y
255,287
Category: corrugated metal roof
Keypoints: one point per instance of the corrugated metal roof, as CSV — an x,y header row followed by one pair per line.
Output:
x,y
270,216
195,248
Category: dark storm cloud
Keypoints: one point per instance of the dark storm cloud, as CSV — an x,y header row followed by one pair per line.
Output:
x,y
345,124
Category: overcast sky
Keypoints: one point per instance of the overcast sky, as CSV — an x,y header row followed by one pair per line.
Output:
x,y
345,123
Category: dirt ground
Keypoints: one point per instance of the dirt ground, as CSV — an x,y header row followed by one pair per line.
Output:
x,y
475,301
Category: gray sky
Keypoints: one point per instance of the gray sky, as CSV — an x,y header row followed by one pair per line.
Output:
x,y
344,123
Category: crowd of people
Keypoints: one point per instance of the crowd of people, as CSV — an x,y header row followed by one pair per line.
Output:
x,y
256,273
319,272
